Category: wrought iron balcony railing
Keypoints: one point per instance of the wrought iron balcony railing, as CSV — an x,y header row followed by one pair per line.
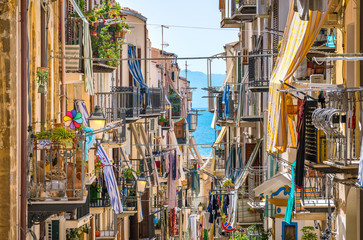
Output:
x,y
259,70
233,12
226,109
120,100
256,176
156,100
56,172
106,224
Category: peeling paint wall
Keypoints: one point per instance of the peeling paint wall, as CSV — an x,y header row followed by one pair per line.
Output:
x,y
9,136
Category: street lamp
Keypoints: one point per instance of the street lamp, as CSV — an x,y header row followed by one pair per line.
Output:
x,y
141,184
97,121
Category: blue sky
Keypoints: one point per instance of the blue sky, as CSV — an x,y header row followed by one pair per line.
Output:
x,y
186,42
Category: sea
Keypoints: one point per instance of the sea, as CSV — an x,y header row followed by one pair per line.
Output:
x,y
205,135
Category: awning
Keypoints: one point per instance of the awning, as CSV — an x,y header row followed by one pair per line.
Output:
x,y
135,71
87,48
298,38
272,185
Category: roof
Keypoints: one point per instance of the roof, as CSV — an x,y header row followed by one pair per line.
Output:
x,y
272,185
129,11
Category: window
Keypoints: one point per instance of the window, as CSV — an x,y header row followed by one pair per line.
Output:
x,y
173,75
152,124
289,231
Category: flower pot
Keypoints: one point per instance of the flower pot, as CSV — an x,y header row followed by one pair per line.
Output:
x,y
161,124
42,89
43,144
120,34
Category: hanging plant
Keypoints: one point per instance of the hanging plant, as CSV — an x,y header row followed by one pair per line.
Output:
x,y
42,79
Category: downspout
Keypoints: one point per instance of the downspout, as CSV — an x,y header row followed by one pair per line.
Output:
x,y
24,117
145,53
63,46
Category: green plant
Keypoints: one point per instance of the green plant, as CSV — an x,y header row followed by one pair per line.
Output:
x,y
105,46
227,183
308,233
162,119
42,76
128,173
60,135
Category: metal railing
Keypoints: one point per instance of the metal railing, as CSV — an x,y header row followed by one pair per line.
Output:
x,y
247,3
223,104
256,176
55,171
120,100
106,224
220,159
260,68
156,100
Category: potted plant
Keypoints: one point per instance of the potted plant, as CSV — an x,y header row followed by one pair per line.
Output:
x,y
42,78
65,138
163,121
43,140
308,233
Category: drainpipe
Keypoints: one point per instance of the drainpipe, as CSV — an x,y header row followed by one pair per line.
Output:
x,y
145,53
63,46
23,121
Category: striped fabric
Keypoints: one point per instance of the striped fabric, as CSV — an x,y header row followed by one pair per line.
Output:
x,y
110,180
298,38
80,106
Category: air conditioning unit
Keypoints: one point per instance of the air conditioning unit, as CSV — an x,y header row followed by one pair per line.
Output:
x,y
55,228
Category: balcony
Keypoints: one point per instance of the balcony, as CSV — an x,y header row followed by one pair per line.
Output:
x,y
56,178
246,215
317,194
106,224
192,121
252,110
256,176
233,14
220,161
156,101
226,108
119,100
259,70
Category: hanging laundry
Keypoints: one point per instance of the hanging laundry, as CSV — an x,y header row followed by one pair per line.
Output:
x,y
193,226
195,182
300,153
173,203
213,208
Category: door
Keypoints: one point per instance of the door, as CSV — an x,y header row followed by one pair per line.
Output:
x,y
289,231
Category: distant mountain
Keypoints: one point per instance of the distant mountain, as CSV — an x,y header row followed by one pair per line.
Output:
x,y
199,80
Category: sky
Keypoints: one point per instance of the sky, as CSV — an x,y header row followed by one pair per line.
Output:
x,y
186,42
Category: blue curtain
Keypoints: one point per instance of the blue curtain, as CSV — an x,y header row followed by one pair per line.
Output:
x,y
135,71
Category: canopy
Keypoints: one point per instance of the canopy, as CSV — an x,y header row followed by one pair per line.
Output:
x,y
298,38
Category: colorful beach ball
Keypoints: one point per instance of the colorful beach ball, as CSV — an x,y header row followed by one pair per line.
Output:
x,y
73,119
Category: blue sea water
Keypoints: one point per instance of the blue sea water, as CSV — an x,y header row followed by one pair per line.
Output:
x,y
204,134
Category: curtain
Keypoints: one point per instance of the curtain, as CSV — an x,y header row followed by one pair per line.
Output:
x,y
298,38
135,71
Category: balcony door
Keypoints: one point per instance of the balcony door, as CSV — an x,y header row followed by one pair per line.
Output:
x,y
289,231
